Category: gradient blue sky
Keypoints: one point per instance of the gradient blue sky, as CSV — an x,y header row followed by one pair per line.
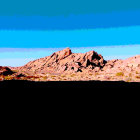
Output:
x,y
33,29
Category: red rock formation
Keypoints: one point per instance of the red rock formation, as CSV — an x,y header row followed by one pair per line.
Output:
x,y
5,71
86,66
63,61
132,62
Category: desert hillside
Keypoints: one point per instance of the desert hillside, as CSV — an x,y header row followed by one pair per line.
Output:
x,y
67,66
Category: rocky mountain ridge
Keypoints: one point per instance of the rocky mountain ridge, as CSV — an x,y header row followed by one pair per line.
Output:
x,y
67,66
65,61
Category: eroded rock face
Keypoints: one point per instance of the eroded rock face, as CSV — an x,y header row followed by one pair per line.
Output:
x,y
65,65
5,71
127,70
65,61
132,63
61,54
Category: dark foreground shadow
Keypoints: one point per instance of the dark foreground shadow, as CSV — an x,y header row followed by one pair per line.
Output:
x,y
13,84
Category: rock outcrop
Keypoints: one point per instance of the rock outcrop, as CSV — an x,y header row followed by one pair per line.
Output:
x,y
127,65
65,61
5,71
67,66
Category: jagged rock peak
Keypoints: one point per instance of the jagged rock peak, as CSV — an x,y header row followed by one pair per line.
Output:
x,y
62,54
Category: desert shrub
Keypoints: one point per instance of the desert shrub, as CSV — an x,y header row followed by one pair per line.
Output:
x,y
65,79
120,74
63,76
137,72
96,73
53,76
72,75
138,76
8,77
44,77
130,74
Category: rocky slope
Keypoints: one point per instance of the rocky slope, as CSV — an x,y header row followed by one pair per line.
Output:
x,y
67,66
127,70
64,61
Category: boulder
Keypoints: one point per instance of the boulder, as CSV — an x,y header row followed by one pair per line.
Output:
x,y
5,71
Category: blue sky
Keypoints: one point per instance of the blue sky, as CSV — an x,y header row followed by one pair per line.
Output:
x,y
64,7
20,56
71,22
70,38
33,29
